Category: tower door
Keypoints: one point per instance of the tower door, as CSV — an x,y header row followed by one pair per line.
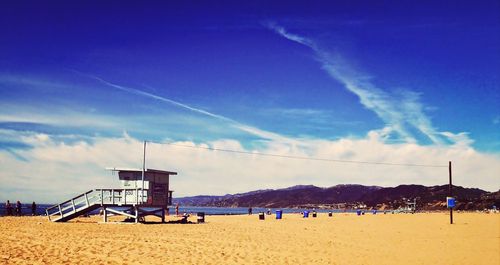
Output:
x,y
160,194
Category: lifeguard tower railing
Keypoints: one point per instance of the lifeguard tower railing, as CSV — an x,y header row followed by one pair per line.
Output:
x,y
97,198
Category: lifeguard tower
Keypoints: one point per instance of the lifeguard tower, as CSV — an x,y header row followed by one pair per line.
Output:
x,y
409,206
142,193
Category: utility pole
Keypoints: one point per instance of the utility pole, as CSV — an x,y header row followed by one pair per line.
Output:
x,y
143,169
450,193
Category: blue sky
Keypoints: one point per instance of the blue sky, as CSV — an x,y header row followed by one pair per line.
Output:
x,y
422,75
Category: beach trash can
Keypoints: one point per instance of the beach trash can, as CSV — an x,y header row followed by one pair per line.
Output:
x,y
279,214
306,214
450,202
315,214
330,214
358,212
201,217
262,216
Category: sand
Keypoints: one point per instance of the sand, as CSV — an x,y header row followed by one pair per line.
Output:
x,y
342,239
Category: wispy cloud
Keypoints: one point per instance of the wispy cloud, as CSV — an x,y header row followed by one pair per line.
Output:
x,y
19,79
68,119
297,112
496,120
402,112
293,37
316,118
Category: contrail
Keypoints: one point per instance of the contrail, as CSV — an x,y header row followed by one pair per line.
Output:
x,y
243,127
160,98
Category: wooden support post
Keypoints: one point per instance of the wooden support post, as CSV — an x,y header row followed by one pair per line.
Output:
x,y
73,204
450,191
105,214
163,214
87,200
112,196
136,214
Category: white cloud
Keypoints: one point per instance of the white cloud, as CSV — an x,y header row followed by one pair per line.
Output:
x,y
55,170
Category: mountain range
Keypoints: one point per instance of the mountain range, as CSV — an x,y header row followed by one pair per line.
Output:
x,y
351,196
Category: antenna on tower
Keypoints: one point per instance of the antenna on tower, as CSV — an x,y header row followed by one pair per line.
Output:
x,y
143,170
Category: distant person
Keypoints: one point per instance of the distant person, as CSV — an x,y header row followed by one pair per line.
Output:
x,y
18,208
269,211
33,209
8,208
177,209
184,219
249,210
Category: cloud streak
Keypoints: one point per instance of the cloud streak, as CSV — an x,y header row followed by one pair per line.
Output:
x,y
159,98
402,112
243,127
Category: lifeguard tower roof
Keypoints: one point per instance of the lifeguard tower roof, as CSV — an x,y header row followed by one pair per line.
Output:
x,y
140,170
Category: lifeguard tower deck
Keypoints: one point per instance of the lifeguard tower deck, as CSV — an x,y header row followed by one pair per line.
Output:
x,y
134,199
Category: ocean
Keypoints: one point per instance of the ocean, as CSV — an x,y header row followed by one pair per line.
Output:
x,y
26,210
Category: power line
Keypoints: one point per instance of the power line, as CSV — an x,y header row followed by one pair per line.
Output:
x,y
298,157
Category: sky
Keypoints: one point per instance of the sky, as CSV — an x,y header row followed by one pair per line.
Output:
x,y
84,83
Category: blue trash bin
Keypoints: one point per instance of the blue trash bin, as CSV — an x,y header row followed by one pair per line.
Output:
x,y
306,214
279,214
450,202
358,212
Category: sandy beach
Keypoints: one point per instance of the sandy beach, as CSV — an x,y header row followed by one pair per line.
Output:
x,y
342,239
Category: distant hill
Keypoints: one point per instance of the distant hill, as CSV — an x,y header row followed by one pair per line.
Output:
x,y
427,197
349,196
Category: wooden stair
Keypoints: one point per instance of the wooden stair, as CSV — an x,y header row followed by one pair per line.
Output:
x,y
92,200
